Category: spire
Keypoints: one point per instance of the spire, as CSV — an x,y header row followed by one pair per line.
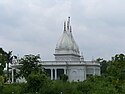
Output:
x,y
68,23
64,26
69,19
67,44
70,29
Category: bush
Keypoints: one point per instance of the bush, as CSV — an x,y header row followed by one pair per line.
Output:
x,y
56,87
36,81
1,82
9,88
64,77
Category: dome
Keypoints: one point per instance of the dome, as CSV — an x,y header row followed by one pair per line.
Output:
x,y
67,44
76,48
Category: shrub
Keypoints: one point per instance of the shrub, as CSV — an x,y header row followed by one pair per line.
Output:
x,y
36,81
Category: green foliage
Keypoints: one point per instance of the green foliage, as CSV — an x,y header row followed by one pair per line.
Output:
x,y
104,65
116,71
3,60
36,81
111,82
12,89
84,87
1,82
9,60
116,67
97,85
58,87
64,77
29,65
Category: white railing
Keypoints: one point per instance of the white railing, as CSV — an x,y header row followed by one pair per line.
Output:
x,y
69,63
87,63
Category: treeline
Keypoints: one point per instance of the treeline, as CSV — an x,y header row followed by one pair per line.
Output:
x,y
112,80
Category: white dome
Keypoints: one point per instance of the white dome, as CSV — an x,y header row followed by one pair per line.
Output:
x,y
76,48
66,47
67,44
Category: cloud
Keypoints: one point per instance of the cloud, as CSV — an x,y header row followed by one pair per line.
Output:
x,y
34,26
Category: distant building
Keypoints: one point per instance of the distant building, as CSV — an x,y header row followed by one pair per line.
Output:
x,y
68,60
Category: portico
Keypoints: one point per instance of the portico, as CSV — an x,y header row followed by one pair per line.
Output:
x,y
54,72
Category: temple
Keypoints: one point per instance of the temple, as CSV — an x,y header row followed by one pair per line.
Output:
x,y
68,60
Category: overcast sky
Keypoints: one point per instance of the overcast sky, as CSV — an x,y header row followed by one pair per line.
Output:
x,y
35,26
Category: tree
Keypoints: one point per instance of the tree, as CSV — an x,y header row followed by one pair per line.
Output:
x,y
29,65
116,67
9,60
104,65
64,77
116,71
3,60
36,81
97,85
1,82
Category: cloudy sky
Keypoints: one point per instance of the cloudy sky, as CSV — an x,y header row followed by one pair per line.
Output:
x,y
34,26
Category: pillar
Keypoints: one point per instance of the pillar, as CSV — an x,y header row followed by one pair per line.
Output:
x,y
51,74
94,70
84,73
55,74
65,71
12,75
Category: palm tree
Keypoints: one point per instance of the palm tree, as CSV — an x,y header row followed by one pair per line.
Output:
x,y
9,60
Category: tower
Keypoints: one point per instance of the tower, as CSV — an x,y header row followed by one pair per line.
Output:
x,y
66,48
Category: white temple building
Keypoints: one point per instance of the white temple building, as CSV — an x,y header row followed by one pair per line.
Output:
x,y
68,60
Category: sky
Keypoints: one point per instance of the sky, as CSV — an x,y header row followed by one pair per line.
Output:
x,y
35,26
